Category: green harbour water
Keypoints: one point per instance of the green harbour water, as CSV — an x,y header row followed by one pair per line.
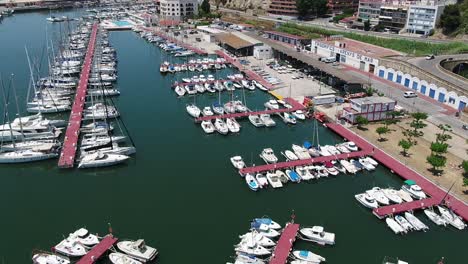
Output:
x,y
180,192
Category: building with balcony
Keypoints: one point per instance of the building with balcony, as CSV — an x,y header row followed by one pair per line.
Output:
x,y
178,9
423,18
337,6
369,10
283,8
393,18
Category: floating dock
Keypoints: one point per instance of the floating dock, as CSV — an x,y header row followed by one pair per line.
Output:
x,y
295,106
97,251
175,41
436,193
70,144
285,243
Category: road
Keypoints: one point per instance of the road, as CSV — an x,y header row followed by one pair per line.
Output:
x,y
324,24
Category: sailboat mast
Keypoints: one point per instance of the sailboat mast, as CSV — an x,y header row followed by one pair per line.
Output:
x,y
17,107
5,103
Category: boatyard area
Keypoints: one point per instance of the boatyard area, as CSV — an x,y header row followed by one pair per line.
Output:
x,y
228,118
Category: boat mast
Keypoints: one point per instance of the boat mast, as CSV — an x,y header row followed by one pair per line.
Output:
x,y
7,116
17,108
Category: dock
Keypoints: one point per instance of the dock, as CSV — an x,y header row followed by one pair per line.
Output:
x,y
175,41
295,106
70,144
285,243
98,250
251,74
436,193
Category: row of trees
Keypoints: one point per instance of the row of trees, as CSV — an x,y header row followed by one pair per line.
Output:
x,y
311,7
454,18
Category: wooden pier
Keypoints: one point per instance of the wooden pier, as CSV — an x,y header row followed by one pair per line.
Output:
x,y
285,243
98,250
67,157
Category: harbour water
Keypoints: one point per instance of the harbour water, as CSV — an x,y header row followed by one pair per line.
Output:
x,y
180,192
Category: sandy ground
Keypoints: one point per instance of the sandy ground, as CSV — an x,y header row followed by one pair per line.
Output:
x,y
419,152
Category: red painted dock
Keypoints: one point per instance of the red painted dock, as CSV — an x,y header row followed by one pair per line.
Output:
x,y
285,243
430,188
175,41
252,75
295,106
67,157
97,251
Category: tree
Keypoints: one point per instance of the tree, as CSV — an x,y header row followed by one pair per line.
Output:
x,y
361,121
381,131
436,161
405,145
450,19
303,7
439,148
418,123
205,7
465,168
443,137
311,7
367,25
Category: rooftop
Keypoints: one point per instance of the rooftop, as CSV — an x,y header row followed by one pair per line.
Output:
x,y
373,100
285,34
233,40
210,30
361,47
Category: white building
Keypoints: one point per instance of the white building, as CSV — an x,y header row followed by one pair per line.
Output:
x,y
178,9
262,52
423,18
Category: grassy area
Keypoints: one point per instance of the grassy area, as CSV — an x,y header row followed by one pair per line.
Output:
x,y
417,48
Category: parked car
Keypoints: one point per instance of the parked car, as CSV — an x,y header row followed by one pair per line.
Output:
x,y
410,94
430,57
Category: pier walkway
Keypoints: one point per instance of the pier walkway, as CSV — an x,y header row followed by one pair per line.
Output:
x,y
435,192
251,74
295,106
67,157
175,41
97,251
285,243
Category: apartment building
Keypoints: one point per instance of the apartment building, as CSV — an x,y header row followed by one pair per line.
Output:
x,y
280,8
178,9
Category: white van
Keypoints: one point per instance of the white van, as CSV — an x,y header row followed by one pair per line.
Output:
x,y
409,94
328,60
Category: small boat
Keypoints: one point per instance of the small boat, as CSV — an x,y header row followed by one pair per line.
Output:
x,y
309,174
221,126
237,162
307,256
265,230
267,120
301,152
274,180
272,104
83,236
119,258
392,195
413,189
367,200
434,217
367,165
394,226
293,176
268,222
262,180
49,258
356,164
451,218
330,168
351,146
299,114
348,166
371,161
256,121
289,119
268,156
207,126
407,227
193,110
378,195
259,85
252,249
254,237
243,258
405,196
321,171
99,159
251,182
282,176
318,235
138,250
417,224
343,149
338,166
232,125
218,109
70,248
207,111
290,155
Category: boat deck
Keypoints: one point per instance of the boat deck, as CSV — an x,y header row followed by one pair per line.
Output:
x,y
285,243
295,106
252,75
97,251
430,188
175,41
67,157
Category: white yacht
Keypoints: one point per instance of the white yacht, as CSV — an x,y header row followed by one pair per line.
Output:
x,y
268,156
83,236
301,152
392,195
413,189
256,121
237,162
138,250
367,165
367,200
272,104
351,146
119,258
318,235
308,256
207,126
262,180
254,237
267,120
49,258
299,114
415,222
290,155
221,126
274,180
232,125
348,166
193,110
379,196
434,217
451,218
405,196
28,155
252,249
207,111
71,248
407,227
394,226
99,159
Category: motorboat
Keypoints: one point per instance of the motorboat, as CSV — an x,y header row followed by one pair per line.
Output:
x,y
274,180
342,148
92,140
243,258
331,168
230,107
413,189
293,176
119,258
289,118
254,237
221,126
268,156
338,166
301,152
299,114
348,166
434,217
265,230
261,179
259,85
321,171
138,250
407,227
193,110
49,258
207,111
415,222
251,182
83,236
71,248
207,126
318,235
392,195
451,218
310,173
356,164
307,256
99,159
272,104
367,165
367,200
394,226
114,149
28,155
351,146
232,125
266,221
290,155
252,249
267,120
406,197
179,90
200,88
256,121
371,161
237,162
218,109
378,195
